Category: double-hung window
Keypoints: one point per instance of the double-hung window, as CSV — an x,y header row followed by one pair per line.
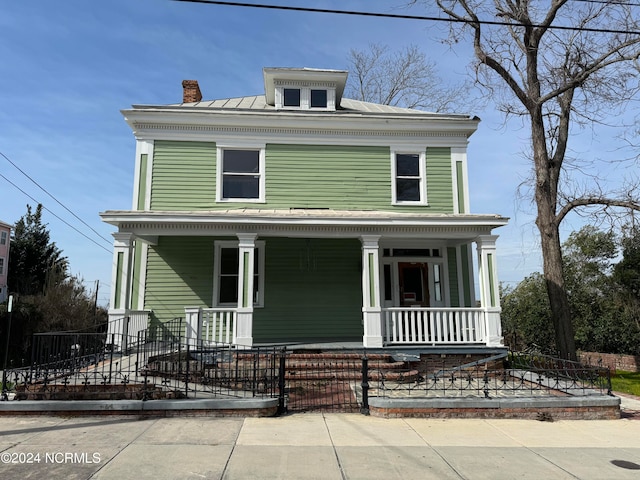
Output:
x,y
240,174
3,238
1,266
409,178
227,274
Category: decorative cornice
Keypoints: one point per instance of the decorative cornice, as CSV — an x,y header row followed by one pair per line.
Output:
x,y
211,129
302,83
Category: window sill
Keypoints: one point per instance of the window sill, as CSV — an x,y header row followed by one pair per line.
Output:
x,y
241,200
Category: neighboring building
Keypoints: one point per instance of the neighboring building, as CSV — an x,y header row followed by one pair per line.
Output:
x,y
303,216
5,242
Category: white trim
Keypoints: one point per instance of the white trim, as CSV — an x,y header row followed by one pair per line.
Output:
x,y
261,149
143,147
218,245
358,128
422,164
142,277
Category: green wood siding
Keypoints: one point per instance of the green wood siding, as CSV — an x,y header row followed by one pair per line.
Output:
x,y
313,291
452,265
179,274
184,176
340,177
439,180
466,275
305,176
460,187
142,182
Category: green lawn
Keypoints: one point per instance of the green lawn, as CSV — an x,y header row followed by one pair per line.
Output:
x,y
626,382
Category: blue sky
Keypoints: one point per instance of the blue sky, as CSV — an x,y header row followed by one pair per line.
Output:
x,y
69,67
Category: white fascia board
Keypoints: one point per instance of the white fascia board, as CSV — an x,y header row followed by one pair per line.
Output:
x,y
242,218
178,122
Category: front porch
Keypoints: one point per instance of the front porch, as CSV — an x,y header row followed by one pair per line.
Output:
x,y
387,279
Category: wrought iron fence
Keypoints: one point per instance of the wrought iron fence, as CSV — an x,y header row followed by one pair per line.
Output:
x,y
162,365
151,365
518,375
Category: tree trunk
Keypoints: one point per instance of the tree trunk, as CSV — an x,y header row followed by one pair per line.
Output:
x,y
558,299
547,175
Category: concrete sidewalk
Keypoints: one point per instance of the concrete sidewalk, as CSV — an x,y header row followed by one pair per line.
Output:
x,y
322,446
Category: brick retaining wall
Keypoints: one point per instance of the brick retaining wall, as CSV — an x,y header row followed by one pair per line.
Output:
x,y
614,361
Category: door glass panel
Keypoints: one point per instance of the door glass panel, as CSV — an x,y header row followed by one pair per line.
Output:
x,y
413,284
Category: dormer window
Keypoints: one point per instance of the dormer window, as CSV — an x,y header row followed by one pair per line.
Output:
x,y
292,97
304,88
313,97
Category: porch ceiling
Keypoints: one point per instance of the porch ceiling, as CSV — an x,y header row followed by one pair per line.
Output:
x,y
302,223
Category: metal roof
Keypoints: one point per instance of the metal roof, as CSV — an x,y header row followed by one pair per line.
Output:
x,y
347,106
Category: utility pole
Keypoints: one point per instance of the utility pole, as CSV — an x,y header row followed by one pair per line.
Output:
x,y
6,351
95,304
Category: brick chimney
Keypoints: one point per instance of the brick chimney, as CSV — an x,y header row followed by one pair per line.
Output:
x,y
191,91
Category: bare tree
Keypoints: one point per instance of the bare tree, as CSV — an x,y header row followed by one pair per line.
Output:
x,y
558,65
404,78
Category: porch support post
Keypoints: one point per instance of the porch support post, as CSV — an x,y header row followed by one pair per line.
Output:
x,y
193,319
243,331
371,308
489,290
120,279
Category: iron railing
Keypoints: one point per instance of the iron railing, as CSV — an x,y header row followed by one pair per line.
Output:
x,y
517,375
154,364
159,364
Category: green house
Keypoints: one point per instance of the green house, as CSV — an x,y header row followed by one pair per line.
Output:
x,y
302,216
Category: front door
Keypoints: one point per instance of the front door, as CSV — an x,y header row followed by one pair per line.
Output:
x,y
414,287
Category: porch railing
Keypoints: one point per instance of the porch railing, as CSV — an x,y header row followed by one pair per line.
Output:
x,y
218,325
128,326
434,326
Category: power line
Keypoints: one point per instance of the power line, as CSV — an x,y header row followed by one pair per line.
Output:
x,y
611,2
404,17
57,201
52,213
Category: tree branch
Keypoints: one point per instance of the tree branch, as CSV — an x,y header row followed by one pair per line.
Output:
x,y
592,201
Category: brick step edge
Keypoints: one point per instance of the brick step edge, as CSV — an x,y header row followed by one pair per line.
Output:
x,y
410,376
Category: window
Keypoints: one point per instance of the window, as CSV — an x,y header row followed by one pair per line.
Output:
x,y
409,184
437,283
3,238
303,97
226,274
318,99
291,97
241,175
1,266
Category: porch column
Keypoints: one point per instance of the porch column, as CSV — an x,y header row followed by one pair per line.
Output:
x,y
489,292
243,332
120,280
371,308
193,317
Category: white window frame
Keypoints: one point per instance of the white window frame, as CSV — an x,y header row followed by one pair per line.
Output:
x,y
305,97
3,237
2,262
259,252
422,159
220,149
